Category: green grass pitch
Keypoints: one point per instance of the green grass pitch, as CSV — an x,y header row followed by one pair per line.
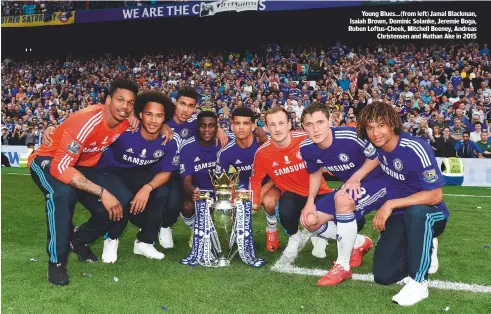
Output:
x,y
148,286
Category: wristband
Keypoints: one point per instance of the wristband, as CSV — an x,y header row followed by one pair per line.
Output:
x,y
99,196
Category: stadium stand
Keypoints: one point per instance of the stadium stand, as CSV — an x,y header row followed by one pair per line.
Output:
x,y
431,87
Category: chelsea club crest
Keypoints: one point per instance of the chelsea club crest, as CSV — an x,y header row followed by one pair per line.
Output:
x,y
398,164
158,153
343,157
184,133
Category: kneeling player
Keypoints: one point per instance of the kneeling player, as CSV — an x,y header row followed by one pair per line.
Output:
x,y
139,164
64,171
415,212
239,154
198,157
339,151
182,123
280,159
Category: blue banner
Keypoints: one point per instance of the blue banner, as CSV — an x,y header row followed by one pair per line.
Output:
x,y
193,9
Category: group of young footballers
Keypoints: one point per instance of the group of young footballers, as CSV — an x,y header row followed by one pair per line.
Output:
x,y
146,174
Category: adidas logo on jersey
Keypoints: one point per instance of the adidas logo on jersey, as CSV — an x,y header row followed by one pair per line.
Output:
x,y
93,144
275,164
319,161
238,162
129,150
197,159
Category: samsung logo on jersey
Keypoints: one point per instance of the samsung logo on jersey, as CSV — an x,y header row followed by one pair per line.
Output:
x,y
94,149
290,169
392,173
340,167
245,168
138,161
204,165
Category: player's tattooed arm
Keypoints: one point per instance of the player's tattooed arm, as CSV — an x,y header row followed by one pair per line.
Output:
x,y
110,203
79,181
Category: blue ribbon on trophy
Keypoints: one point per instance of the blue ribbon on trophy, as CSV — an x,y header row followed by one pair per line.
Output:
x,y
199,231
245,238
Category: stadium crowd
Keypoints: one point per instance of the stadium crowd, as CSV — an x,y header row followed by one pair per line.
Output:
x,y
441,93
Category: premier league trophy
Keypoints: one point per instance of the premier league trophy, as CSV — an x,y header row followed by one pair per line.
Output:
x,y
222,222
224,214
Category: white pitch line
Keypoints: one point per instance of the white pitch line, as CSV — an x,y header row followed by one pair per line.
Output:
x,y
465,195
285,265
440,284
17,174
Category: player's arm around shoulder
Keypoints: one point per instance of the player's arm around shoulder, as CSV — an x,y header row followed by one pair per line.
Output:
x,y
259,172
186,169
222,137
62,167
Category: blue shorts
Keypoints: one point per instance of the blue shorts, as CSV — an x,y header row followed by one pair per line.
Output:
x,y
374,194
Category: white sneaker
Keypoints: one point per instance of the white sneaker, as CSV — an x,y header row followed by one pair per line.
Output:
x,y
434,257
319,246
403,281
165,238
291,249
110,251
412,293
147,250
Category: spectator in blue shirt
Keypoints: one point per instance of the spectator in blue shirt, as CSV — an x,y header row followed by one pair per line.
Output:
x,y
467,148
484,50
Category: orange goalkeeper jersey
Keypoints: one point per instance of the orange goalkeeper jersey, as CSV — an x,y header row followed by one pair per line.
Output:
x,y
80,140
285,166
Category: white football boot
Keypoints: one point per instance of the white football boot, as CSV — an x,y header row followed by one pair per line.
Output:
x,y
147,250
412,293
110,251
291,249
165,238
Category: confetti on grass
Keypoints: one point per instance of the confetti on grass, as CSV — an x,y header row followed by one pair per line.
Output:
x,y
33,260
116,279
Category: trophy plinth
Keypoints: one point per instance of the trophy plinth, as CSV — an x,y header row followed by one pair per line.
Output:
x,y
223,262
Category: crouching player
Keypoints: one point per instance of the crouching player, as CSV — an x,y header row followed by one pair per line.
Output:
x,y
414,213
64,171
279,158
138,164
184,124
239,154
341,152
198,157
